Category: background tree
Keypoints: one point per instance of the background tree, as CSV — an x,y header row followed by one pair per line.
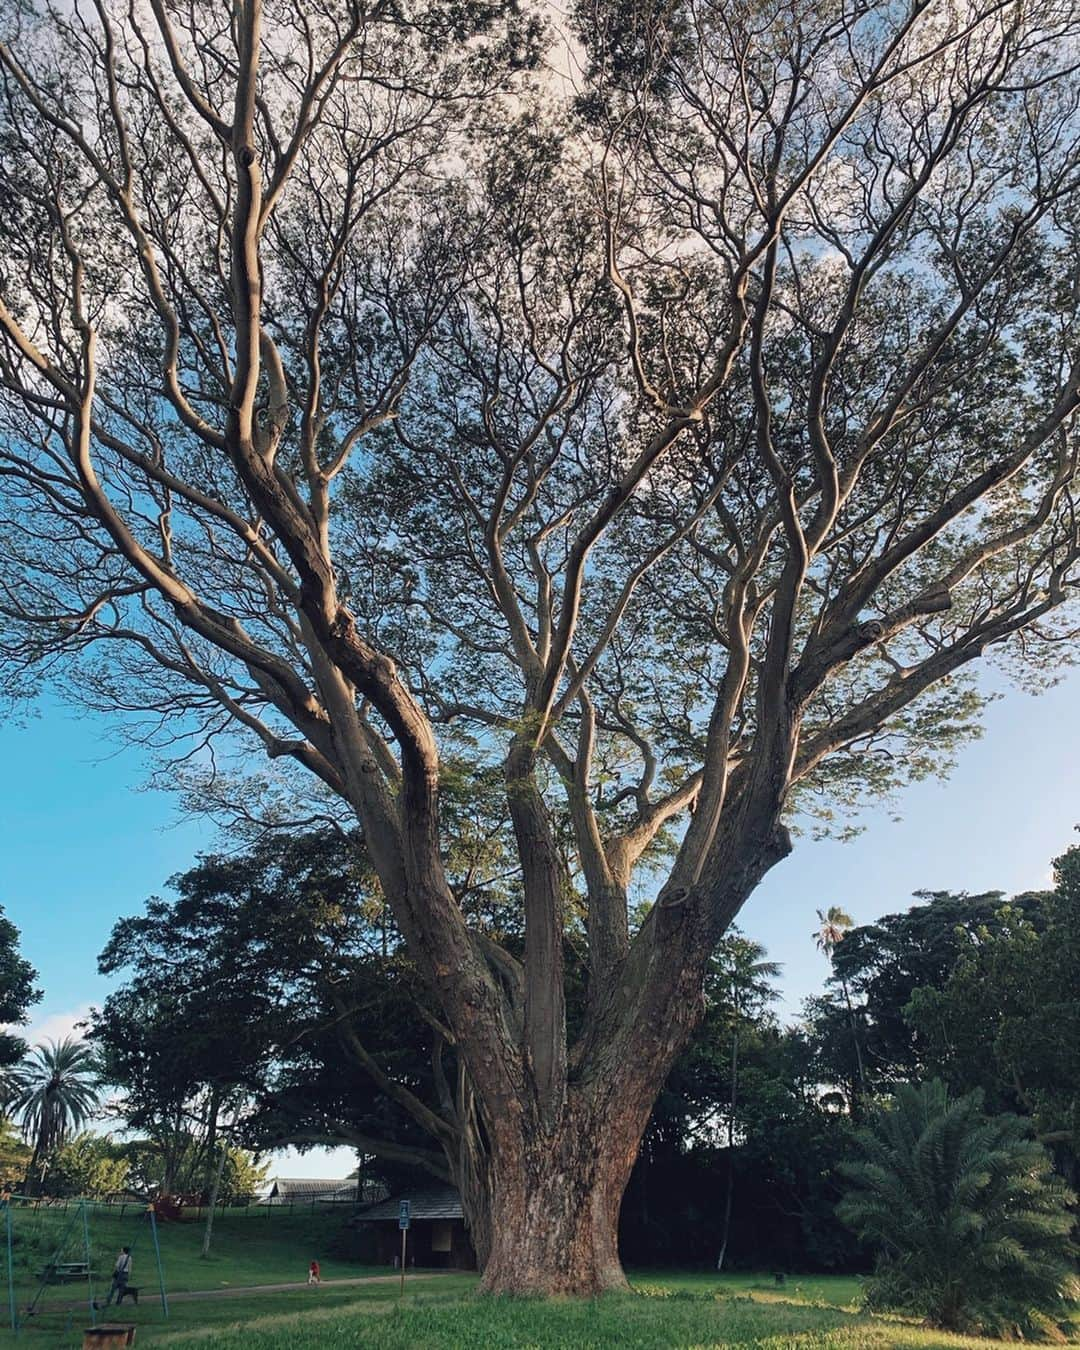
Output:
x,y
748,975
14,1154
833,923
683,452
149,1165
788,1142
971,1223
18,992
283,977
53,1092
878,968
1007,1019
88,1165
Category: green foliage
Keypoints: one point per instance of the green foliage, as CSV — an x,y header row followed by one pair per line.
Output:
x,y
876,969
1007,1020
53,1092
741,1108
88,1165
971,1224
243,1175
14,1155
17,991
232,1003
178,1163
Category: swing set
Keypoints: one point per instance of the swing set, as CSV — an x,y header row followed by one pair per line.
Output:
x,y
58,1267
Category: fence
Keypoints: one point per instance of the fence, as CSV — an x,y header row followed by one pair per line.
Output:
x,y
250,1208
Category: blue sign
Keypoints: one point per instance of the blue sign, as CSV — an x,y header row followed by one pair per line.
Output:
x,y
403,1214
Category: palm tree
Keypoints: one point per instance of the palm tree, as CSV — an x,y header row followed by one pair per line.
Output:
x,y
52,1092
833,923
972,1225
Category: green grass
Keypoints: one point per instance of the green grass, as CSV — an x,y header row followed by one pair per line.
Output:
x,y
259,1248
840,1291
680,1312
676,1310
201,1322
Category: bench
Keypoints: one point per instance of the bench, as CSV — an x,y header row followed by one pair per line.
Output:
x,y
65,1272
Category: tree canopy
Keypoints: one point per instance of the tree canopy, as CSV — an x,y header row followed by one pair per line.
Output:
x,y
52,1092
661,445
1007,1018
862,1028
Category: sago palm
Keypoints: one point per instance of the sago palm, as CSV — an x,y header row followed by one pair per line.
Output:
x,y
972,1226
52,1093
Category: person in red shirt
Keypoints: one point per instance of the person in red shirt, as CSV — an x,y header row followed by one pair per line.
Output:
x,y
313,1273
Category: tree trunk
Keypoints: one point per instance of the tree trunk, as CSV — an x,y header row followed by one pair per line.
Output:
x,y
729,1197
859,1069
554,1208
215,1191
30,1185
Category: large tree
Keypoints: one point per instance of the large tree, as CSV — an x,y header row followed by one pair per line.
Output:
x,y
273,990
878,967
672,444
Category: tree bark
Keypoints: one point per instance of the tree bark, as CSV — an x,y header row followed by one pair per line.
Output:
x,y
859,1069
30,1185
215,1191
554,1203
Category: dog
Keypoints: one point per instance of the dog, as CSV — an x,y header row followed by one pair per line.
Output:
x,y
129,1291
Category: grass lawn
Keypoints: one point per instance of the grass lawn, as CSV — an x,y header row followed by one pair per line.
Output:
x,y
264,1247
694,1312
201,1322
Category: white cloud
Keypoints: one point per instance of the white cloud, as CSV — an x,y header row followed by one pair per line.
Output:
x,y
54,1026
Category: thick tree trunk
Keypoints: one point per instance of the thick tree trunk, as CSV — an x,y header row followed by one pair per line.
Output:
x,y
554,1207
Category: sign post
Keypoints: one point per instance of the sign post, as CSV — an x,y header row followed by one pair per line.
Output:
x,y
403,1224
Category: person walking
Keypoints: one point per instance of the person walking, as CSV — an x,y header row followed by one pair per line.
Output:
x,y
120,1276
313,1276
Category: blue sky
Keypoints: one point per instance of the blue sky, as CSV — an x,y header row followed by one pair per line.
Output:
x,y
83,845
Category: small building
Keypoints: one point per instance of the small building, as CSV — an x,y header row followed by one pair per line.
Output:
x,y
437,1233
307,1190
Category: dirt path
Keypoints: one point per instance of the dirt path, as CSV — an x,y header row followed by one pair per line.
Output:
x,y
234,1291
150,1293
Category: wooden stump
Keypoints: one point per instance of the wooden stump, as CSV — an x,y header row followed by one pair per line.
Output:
x,y
110,1337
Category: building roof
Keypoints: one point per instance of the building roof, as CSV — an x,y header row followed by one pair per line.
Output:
x,y
307,1188
428,1202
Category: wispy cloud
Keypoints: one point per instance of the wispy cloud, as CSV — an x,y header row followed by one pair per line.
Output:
x,y
54,1026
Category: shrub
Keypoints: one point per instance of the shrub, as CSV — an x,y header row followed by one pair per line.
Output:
x,y
971,1225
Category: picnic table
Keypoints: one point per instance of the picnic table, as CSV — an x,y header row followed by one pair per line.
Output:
x,y
65,1272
